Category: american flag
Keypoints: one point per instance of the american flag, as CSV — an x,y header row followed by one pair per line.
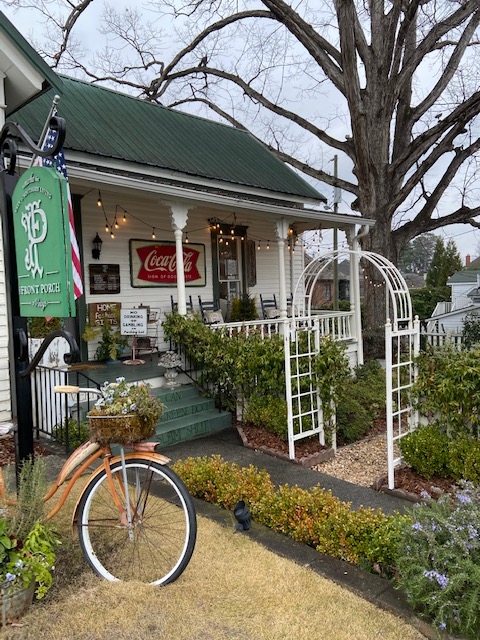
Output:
x,y
59,163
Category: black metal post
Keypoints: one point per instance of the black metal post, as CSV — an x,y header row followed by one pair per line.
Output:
x,y
18,347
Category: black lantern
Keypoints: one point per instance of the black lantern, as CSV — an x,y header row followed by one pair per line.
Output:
x,y
97,247
242,516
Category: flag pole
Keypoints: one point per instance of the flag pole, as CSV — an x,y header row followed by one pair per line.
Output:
x,y
53,108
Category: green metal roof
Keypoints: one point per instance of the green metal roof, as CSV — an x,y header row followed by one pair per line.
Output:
x,y
107,123
51,78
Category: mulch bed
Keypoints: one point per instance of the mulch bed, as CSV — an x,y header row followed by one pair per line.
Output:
x,y
408,483
7,450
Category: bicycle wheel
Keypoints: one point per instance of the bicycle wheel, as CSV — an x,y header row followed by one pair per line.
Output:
x,y
158,545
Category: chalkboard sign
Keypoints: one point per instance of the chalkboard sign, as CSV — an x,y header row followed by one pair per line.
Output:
x,y
104,278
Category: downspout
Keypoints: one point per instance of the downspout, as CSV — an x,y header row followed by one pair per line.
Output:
x,y
355,286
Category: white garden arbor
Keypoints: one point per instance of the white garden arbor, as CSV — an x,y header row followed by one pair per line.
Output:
x,y
402,344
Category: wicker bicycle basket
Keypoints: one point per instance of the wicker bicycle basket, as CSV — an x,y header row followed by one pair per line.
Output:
x,y
123,429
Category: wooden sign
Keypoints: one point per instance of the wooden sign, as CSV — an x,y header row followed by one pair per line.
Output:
x,y
98,311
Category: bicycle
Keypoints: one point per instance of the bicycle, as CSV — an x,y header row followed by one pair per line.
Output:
x,y
135,518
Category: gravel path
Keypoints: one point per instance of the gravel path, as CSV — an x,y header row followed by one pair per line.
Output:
x,y
361,462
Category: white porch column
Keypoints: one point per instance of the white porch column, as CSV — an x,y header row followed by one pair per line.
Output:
x,y
353,241
179,217
282,237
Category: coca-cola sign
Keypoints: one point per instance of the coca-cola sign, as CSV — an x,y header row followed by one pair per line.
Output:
x,y
155,264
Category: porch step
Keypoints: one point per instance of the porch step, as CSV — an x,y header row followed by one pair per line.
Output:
x,y
187,415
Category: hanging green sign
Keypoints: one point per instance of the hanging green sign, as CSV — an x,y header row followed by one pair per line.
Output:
x,y
42,244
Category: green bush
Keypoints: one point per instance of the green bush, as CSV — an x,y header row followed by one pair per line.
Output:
x,y
243,309
268,412
438,559
426,451
458,449
360,401
353,420
447,388
313,517
471,470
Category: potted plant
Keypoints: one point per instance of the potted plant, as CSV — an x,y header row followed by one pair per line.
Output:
x,y
111,343
126,413
27,544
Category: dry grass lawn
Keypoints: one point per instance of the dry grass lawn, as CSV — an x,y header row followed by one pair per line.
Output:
x,y
233,589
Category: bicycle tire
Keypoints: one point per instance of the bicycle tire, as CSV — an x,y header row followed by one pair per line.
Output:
x,y
163,536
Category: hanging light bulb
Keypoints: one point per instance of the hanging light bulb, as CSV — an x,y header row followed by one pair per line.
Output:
x,y
268,244
107,228
232,231
115,224
112,235
258,248
153,233
99,201
186,238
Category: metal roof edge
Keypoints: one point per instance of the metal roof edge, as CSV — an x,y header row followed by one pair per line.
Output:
x,y
169,192
52,79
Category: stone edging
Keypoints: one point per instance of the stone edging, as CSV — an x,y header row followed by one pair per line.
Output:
x,y
306,461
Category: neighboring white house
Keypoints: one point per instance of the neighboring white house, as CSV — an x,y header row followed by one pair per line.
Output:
x,y
23,75
448,316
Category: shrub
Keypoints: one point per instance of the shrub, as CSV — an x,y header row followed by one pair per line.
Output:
x,y
426,450
446,388
314,517
268,412
438,559
458,449
471,330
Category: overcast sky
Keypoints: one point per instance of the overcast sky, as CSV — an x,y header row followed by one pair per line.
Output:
x,y
466,237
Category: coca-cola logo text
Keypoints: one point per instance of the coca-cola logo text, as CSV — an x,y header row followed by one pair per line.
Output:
x,y
159,263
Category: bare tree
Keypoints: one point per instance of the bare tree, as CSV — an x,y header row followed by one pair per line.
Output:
x,y
390,85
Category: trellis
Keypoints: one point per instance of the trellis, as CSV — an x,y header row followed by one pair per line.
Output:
x,y
303,340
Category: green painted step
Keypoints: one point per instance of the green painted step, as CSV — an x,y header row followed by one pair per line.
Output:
x,y
184,429
187,415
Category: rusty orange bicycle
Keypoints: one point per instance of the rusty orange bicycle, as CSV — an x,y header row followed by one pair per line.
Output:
x,y
135,518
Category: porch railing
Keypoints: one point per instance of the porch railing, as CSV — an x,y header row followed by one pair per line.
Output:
x,y
336,324
60,416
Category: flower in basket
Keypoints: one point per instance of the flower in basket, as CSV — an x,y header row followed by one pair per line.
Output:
x,y
27,545
169,359
130,404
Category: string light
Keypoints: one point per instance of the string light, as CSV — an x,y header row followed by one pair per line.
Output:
x,y
107,228
268,244
186,238
258,248
99,201
112,235
153,233
115,223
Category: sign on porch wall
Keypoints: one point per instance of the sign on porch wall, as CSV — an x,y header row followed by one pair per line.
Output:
x,y
154,264
104,278
98,311
42,244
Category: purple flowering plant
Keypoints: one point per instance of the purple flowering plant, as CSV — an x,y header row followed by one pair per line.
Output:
x,y
438,560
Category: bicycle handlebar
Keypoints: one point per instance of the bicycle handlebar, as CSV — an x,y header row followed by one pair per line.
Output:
x,y
71,388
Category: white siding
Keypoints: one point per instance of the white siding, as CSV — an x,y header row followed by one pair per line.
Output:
x,y
148,214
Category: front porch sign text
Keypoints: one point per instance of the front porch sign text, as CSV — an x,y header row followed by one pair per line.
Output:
x,y
155,264
42,244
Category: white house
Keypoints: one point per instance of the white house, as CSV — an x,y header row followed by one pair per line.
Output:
x,y
448,316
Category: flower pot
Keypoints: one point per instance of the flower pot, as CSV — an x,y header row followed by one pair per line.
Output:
x,y
15,605
171,377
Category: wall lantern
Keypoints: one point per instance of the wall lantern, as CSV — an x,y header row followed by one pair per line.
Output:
x,y
97,247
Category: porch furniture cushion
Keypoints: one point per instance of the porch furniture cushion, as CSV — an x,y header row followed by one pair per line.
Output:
x,y
213,317
272,313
